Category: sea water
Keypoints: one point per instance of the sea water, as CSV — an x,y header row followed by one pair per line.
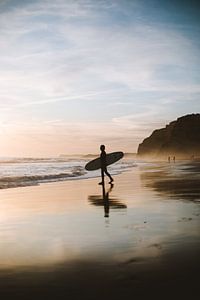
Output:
x,y
16,172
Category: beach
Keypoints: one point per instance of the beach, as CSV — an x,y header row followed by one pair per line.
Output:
x,y
73,240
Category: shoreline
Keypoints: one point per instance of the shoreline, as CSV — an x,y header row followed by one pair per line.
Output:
x,y
37,180
56,241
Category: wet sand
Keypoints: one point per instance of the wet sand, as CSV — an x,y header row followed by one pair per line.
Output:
x,y
72,240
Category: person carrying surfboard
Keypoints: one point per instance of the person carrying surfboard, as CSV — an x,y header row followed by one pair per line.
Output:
x,y
104,165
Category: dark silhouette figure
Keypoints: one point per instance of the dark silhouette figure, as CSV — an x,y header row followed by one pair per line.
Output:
x,y
105,201
104,166
168,159
174,159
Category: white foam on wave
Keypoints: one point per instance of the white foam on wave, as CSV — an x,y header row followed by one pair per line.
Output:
x,y
25,172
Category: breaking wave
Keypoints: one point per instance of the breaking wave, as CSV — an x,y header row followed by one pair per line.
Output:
x,y
30,171
17,181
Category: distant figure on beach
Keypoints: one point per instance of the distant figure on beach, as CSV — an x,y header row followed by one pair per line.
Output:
x,y
174,159
104,166
168,159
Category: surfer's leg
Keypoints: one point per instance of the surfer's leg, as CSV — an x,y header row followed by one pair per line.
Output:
x,y
102,177
108,174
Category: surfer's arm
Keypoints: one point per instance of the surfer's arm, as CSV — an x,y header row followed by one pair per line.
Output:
x,y
103,159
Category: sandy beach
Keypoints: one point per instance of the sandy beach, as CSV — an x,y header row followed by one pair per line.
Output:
x,y
64,240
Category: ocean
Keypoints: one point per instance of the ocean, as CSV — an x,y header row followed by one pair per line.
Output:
x,y
18,172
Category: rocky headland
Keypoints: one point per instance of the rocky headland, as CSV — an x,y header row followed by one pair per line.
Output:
x,y
180,138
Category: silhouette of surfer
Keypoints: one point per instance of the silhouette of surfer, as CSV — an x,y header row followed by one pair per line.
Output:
x,y
104,165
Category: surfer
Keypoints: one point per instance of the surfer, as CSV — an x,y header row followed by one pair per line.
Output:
x,y
103,165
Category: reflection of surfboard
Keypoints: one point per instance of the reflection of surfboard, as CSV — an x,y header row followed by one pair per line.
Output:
x,y
111,158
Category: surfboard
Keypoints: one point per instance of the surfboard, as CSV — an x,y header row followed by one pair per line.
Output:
x,y
111,158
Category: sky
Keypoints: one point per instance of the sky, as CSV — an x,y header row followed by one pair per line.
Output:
x,y
79,73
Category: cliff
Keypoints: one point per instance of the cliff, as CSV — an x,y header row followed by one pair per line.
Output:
x,y
180,138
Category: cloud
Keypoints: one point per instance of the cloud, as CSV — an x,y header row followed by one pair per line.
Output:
x,y
127,75
50,138
43,58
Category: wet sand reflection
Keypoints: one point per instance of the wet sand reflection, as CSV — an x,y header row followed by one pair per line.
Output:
x,y
105,201
180,181
55,242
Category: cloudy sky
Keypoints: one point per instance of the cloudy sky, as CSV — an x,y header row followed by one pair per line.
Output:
x,y
78,73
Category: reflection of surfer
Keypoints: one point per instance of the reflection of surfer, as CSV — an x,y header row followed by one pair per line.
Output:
x,y
106,200
104,165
